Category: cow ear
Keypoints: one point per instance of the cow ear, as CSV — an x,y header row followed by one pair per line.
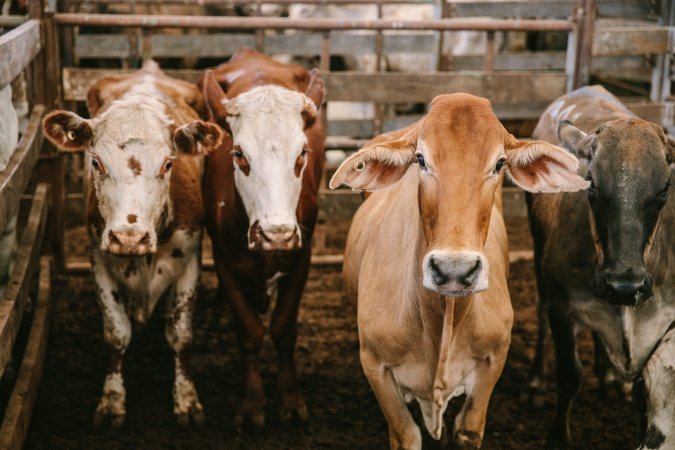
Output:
x,y
537,166
67,130
670,148
576,141
197,138
314,95
375,167
215,99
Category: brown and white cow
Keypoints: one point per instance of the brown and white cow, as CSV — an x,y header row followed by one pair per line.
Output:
x,y
604,258
144,212
261,192
427,260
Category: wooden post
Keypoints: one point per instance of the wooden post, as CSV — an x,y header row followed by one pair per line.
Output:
x,y
584,43
46,82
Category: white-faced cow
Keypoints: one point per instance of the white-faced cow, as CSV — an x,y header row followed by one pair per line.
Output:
x,y
261,192
144,213
427,260
604,258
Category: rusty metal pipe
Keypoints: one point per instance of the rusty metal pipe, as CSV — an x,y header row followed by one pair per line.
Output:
x,y
275,23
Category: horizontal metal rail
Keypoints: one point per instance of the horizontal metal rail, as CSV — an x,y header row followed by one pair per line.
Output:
x,y
262,2
276,23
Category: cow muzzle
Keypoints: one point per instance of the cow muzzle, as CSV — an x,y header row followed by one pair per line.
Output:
x,y
129,242
274,237
455,273
627,288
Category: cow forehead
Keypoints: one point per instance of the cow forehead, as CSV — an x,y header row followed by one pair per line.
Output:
x,y
632,147
135,127
462,126
269,120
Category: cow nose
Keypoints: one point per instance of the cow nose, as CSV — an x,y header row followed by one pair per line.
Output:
x,y
129,243
455,272
280,237
627,289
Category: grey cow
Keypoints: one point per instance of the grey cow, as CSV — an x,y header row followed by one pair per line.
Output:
x,y
604,258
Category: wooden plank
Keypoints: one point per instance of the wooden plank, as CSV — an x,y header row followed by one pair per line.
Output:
x,y
22,400
641,40
16,176
547,8
16,298
17,49
390,87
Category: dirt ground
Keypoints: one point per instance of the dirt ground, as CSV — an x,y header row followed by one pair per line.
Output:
x,y
344,412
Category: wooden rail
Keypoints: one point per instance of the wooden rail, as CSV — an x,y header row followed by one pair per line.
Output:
x,y
17,49
15,424
277,23
16,300
16,176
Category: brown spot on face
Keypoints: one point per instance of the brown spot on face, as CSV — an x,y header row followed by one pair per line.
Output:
x,y
132,218
177,253
135,166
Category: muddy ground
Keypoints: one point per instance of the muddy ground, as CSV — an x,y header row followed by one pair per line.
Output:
x,y
344,412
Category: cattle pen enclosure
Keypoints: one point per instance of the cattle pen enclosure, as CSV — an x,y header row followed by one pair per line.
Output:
x,y
527,53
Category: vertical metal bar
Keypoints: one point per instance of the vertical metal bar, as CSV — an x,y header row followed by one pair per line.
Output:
x,y
133,38
489,58
379,49
324,67
259,33
584,47
146,44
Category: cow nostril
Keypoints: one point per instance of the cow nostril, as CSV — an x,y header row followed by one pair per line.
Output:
x,y
438,276
113,238
145,240
472,275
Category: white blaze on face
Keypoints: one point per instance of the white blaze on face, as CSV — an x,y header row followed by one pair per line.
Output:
x,y
268,129
130,158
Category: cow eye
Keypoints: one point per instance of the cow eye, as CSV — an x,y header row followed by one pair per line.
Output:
x,y
237,153
168,165
500,164
304,151
420,160
96,164
662,195
591,187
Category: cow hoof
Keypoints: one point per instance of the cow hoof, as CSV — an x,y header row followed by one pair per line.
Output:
x,y
114,420
293,408
296,414
194,415
255,420
557,443
468,440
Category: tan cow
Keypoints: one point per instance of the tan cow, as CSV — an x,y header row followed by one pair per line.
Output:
x,y
145,214
427,260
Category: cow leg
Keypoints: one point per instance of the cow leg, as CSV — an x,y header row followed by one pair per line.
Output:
x,y
612,385
186,405
404,434
536,384
470,421
284,331
568,376
250,334
116,334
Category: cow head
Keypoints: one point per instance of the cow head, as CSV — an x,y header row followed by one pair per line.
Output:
x,y
462,151
628,171
130,150
270,152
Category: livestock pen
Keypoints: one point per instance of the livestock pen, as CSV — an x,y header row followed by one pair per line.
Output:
x,y
65,47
